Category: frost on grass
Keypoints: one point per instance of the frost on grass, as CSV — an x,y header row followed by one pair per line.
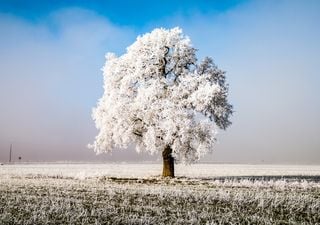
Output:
x,y
158,95
157,201
87,194
123,170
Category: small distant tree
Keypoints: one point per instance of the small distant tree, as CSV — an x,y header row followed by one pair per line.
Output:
x,y
157,96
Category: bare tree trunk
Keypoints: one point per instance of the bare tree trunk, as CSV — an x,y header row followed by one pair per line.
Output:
x,y
168,162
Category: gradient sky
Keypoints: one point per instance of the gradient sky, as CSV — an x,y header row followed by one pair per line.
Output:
x,y
51,54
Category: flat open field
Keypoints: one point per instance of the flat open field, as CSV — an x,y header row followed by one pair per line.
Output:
x,y
135,194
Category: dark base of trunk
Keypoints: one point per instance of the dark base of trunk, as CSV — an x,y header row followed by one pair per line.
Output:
x,y
168,162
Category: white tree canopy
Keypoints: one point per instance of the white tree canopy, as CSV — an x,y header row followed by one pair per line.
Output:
x,y
156,95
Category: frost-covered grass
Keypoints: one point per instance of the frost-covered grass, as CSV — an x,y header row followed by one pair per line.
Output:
x,y
147,170
32,196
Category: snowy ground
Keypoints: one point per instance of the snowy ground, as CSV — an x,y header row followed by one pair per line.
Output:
x,y
125,170
136,194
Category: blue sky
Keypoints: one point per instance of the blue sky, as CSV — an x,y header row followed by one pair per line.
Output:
x,y
51,53
127,13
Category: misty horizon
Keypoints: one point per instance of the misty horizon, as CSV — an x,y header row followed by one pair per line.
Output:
x,y
50,76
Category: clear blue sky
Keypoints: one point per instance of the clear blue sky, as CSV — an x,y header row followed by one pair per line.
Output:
x,y
51,53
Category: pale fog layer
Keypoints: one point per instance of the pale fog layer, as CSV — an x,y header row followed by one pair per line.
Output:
x,y
50,79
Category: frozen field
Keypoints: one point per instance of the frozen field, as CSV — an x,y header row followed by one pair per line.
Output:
x,y
136,194
207,171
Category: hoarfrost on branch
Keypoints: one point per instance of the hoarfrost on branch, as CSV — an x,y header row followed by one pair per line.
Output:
x,y
157,95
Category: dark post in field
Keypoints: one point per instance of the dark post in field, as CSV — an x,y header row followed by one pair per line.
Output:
x,y
10,153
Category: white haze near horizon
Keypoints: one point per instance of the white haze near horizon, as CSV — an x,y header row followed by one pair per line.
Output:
x,y
50,79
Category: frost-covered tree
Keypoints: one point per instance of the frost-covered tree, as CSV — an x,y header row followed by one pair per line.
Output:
x,y
157,96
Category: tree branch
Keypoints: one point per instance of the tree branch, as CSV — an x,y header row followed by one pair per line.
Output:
x,y
137,133
163,62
